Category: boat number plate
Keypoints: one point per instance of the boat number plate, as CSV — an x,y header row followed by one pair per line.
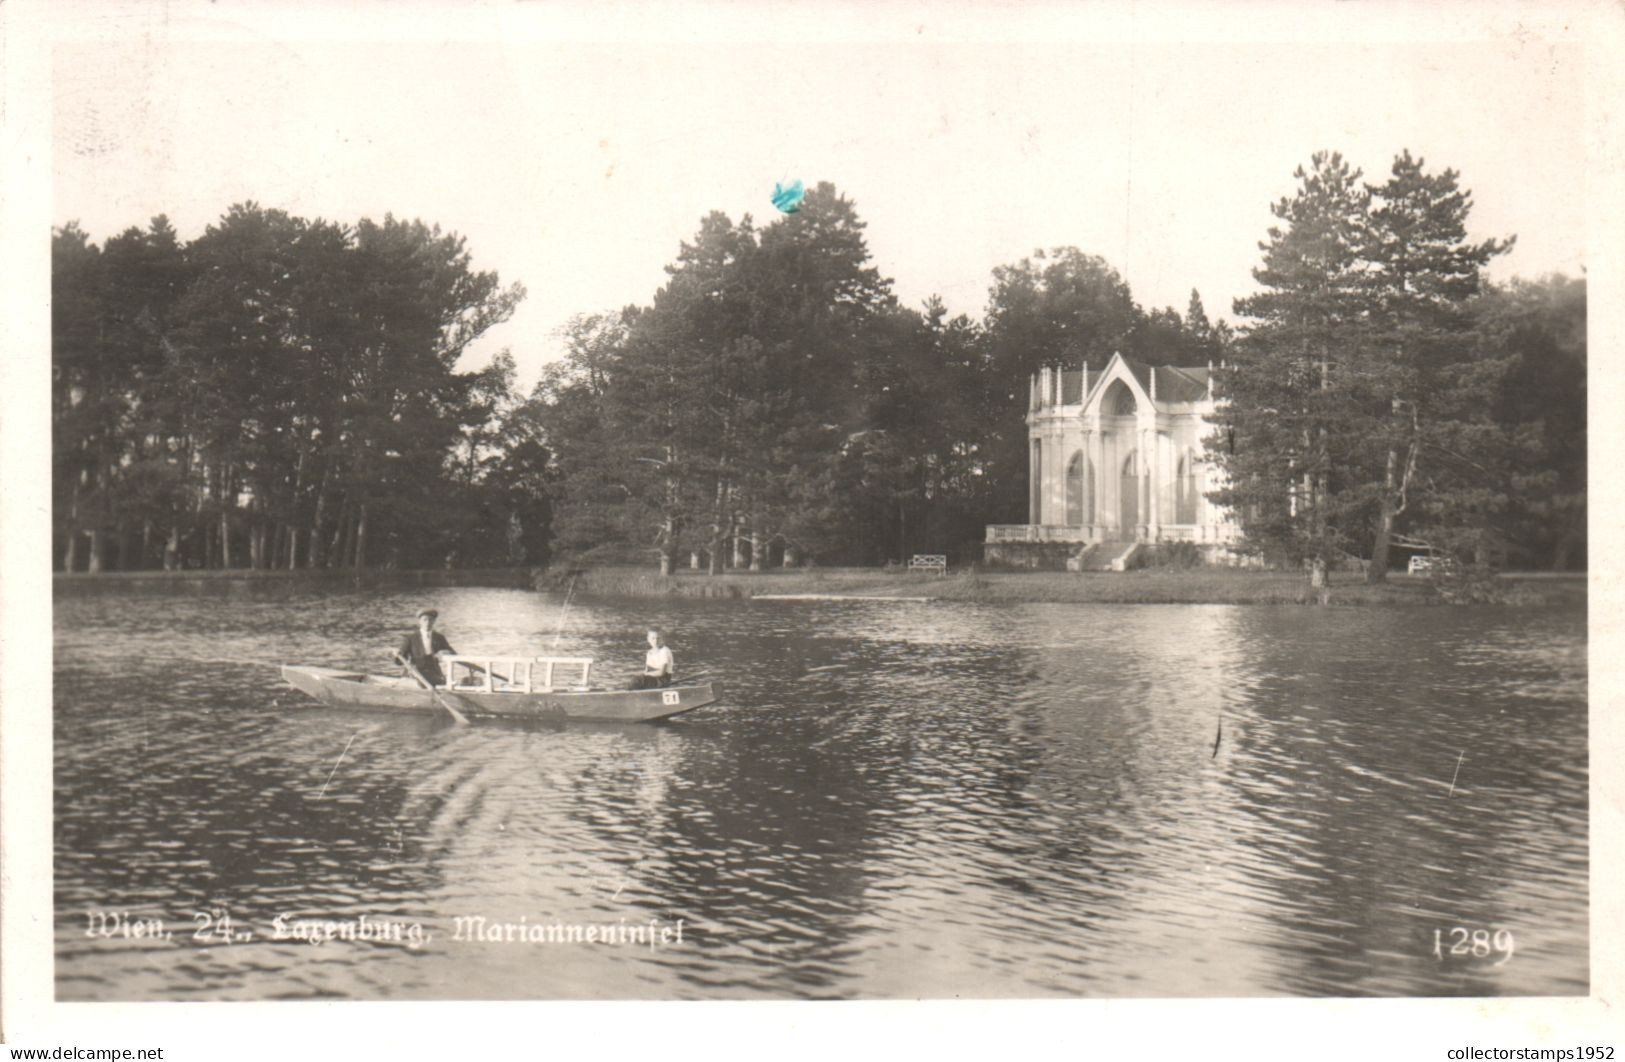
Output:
x,y
670,697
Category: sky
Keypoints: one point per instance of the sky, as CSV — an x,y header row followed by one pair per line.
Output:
x,y
576,166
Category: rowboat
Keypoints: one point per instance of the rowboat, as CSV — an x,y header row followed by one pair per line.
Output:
x,y
542,688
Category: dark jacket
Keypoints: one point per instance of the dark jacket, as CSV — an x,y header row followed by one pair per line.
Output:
x,y
412,648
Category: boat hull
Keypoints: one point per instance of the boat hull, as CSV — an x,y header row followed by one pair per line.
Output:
x,y
354,689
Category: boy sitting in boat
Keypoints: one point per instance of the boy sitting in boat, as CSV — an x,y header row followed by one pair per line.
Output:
x,y
658,665
423,648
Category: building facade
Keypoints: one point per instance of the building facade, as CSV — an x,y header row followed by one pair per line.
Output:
x,y
1120,456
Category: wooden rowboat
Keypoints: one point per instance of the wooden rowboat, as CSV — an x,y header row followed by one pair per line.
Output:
x,y
500,688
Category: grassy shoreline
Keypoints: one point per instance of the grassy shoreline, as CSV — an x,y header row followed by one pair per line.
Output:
x,y
371,577
1151,586
1199,586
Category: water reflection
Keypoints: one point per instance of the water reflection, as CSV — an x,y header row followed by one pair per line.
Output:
x,y
890,800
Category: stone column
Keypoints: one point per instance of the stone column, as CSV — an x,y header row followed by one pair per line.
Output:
x,y
1101,475
1032,474
1034,460
1153,487
1198,486
1087,450
1057,476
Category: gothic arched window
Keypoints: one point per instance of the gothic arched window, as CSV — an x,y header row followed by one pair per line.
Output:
x,y
1119,401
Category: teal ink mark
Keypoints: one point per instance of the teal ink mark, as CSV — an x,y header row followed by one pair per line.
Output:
x,y
787,197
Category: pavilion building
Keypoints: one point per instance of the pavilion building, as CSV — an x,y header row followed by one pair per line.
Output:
x,y
1117,459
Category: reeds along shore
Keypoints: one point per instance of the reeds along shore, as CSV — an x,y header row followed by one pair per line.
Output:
x,y
1187,586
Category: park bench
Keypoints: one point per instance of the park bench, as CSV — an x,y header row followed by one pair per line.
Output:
x,y
929,562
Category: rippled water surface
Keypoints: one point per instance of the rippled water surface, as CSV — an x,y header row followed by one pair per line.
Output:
x,y
889,800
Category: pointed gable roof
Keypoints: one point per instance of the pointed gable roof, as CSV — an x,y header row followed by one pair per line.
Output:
x,y
1141,372
1171,384
1072,390
1120,368
1178,384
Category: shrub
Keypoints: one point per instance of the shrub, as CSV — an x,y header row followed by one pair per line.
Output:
x,y
1182,555
1467,584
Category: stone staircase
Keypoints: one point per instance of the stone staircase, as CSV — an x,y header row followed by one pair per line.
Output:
x,y
1109,556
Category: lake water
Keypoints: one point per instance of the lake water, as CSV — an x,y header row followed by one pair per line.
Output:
x,y
889,800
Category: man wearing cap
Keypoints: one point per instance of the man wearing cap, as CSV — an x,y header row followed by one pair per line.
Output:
x,y
423,646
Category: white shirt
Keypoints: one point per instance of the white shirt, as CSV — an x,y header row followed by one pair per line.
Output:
x,y
658,660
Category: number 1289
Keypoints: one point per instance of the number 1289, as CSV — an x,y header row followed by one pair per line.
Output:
x,y
1479,943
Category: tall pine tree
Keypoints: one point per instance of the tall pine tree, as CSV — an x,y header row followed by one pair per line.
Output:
x,y
1434,395
1357,395
1288,435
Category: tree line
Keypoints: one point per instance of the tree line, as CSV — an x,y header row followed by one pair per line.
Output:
x,y
774,402
1380,392
284,392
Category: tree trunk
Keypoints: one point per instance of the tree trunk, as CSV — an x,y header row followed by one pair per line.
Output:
x,y
668,526
666,543
343,538
361,539
146,542
758,548
313,558
1378,572
98,551
172,548
1317,498
718,523
225,539
70,549
256,536
292,526
739,549
694,560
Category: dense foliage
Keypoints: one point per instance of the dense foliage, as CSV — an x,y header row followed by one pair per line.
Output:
x,y
1381,391
775,402
282,392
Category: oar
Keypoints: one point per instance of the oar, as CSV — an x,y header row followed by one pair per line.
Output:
x,y
395,658
447,705
564,612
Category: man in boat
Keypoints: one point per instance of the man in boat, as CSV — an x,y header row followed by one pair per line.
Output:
x,y
658,665
423,648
